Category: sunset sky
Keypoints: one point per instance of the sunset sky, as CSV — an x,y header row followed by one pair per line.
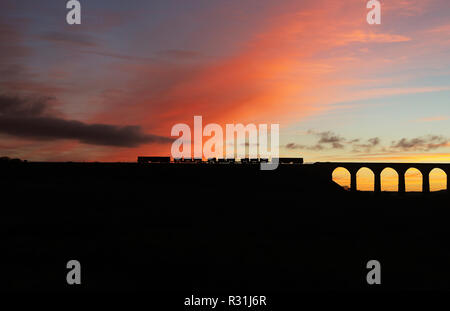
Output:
x,y
111,88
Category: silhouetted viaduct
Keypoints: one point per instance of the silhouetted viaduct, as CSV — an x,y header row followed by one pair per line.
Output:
x,y
377,169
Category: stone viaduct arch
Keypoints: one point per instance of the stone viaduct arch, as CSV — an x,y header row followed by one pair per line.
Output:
x,y
377,168
389,179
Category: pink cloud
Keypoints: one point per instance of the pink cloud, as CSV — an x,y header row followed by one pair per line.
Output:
x,y
433,119
297,64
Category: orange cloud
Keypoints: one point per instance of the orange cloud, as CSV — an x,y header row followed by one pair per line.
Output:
x,y
434,119
275,77
396,158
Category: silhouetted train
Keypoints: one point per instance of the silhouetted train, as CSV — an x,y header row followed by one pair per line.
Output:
x,y
144,160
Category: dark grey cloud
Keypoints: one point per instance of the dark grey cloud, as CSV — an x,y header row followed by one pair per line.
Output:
x,y
179,54
32,118
329,140
374,141
69,38
328,137
118,56
16,73
367,146
354,141
13,51
12,46
25,106
293,146
425,143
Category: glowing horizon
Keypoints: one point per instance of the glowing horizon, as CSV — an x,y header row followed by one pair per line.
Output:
x,y
389,180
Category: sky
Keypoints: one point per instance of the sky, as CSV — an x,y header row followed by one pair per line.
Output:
x,y
112,88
